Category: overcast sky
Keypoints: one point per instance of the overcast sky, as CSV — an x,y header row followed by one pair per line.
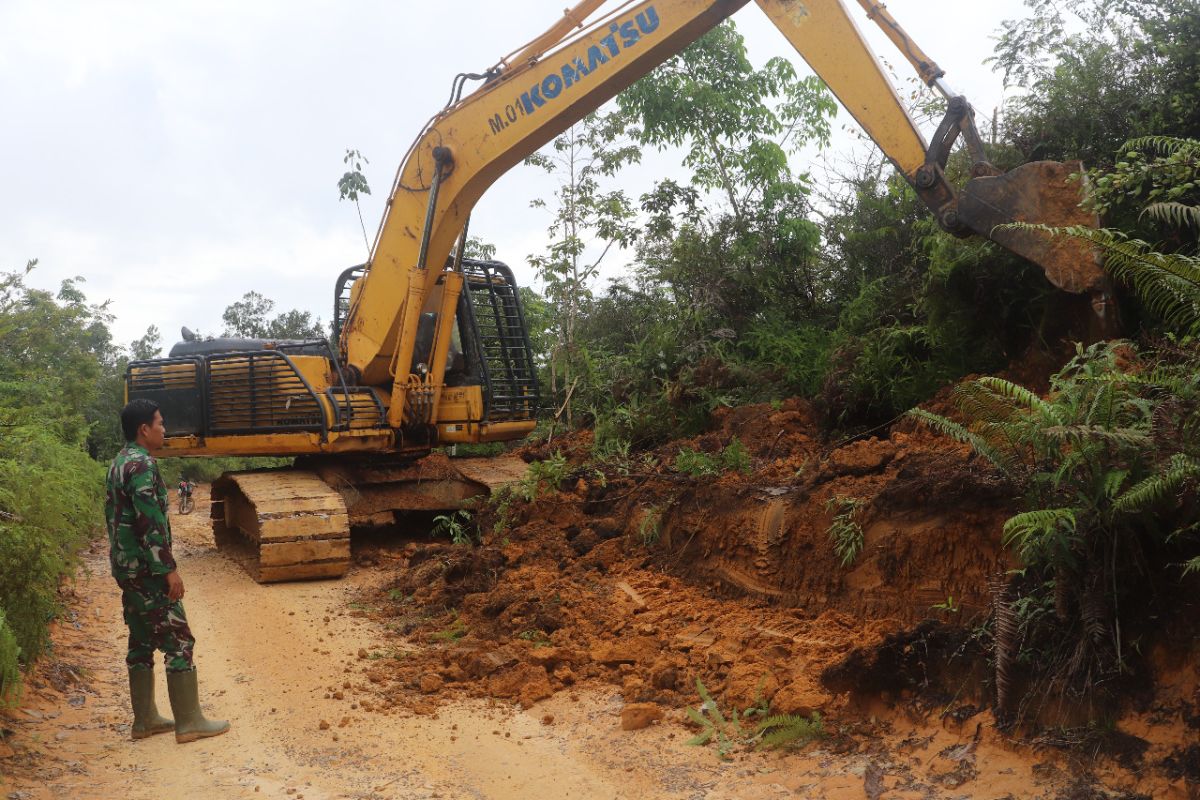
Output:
x,y
179,154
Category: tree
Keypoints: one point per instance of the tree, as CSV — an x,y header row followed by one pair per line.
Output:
x,y
352,184
148,346
587,222
737,125
1099,72
251,318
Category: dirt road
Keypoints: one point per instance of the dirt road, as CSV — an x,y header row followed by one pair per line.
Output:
x,y
269,656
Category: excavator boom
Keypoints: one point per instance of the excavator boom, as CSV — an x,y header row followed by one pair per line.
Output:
x,y
572,69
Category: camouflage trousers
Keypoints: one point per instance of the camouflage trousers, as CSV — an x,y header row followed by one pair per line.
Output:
x,y
155,623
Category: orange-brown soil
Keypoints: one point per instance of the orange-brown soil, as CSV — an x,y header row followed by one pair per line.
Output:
x,y
649,580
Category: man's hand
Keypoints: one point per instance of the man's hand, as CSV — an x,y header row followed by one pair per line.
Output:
x,y
174,586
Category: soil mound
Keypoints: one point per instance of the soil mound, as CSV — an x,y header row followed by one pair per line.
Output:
x,y
643,576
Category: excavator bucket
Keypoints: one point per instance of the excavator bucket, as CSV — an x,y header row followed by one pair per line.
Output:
x,y
1042,193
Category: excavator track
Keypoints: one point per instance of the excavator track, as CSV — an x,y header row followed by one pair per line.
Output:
x,y
284,525
292,524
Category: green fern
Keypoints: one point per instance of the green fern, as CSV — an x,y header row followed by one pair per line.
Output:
x,y
713,724
1077,434
1020,396
1165,145
1180,215
1153,489
952,429
1042,531
1168,283
788,730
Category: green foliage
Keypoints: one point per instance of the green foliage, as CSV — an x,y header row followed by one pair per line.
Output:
x,y
10,659
500,504
798,354
1180,470
148,346
544,476
949,605
714,726
650,526
1099,72
352,184
56,362
1156,174
588,221
251,317
734,457
736,123
696,463
789,730
844,530
455,526
456,630
537,638
1105,461
735,729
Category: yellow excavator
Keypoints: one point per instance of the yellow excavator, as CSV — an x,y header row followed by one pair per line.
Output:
x,y
432,347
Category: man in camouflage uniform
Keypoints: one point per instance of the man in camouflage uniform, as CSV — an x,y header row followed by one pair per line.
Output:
x,y
139,540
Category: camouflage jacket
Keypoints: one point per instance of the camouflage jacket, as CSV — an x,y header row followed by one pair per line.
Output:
x,y
139,532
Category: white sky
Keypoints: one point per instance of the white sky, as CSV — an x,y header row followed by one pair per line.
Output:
x,y
179,154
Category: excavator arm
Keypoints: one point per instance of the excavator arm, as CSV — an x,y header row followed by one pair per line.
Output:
x,y
571,70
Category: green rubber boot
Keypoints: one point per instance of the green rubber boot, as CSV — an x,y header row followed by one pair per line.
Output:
x,y
190,723
146,719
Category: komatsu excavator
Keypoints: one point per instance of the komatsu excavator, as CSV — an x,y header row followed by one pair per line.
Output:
x,y
432,347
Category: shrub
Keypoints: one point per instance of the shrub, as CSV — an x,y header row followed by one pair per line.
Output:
x,y
844,531
698,464
51,495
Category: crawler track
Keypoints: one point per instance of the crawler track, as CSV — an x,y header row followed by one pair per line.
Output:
x,y
284,525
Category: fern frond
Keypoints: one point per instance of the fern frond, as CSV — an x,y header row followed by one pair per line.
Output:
x,y
1179,215
1032,531
1152,490
785,729
1168,283
980,403
1163,145
1113,480
1021,395
957,432
1076,433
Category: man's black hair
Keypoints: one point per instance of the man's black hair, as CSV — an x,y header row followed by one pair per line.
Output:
x,y
135,414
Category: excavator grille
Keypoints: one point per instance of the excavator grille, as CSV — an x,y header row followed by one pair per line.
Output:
x,y
228,393
492,306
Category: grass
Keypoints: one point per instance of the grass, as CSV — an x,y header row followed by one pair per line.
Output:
x,y
456,630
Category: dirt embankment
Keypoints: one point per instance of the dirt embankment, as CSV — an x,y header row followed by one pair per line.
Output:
x,y
649,580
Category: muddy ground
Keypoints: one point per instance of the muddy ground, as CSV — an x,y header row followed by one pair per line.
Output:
x,y
508,669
